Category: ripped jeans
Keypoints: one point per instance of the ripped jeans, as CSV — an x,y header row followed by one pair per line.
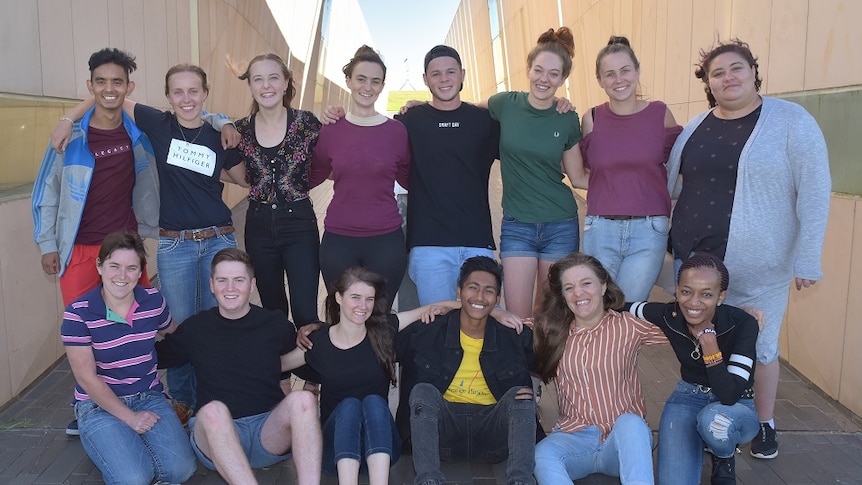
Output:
x,y
693,419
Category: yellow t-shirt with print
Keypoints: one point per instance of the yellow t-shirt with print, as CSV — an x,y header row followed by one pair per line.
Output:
x,y
469,384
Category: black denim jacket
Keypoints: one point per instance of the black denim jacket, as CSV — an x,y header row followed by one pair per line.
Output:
x,y
432,353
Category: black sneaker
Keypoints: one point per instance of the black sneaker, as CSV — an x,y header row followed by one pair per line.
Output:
x,y
764,445
723,471
72,428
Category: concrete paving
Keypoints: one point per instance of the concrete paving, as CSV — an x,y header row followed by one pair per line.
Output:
x,y
820,440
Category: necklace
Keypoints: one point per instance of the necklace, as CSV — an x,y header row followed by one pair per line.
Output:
x,y
696,353
183,133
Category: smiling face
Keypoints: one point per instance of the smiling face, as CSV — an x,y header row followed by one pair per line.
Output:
x,y
584,294
186,94
479,295
357,303
231,283
731,81
444,77
365,84
109,85
545,75
120,272
618,76
698,294
267,83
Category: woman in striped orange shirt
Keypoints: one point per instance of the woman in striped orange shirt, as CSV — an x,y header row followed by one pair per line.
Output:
x,y
590,350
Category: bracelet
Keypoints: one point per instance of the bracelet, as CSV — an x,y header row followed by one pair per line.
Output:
x,y
706,330
713,362
66,118
710,357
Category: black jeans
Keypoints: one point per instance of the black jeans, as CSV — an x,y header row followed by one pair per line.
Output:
x,y
490,434
385,255
285,240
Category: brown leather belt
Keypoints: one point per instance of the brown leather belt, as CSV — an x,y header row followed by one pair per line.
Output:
x,y
197,234
623,218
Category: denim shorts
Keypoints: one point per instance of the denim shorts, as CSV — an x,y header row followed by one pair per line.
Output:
x,y
248,428
547,241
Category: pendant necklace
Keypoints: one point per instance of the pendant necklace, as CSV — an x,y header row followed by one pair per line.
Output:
x,y
183,134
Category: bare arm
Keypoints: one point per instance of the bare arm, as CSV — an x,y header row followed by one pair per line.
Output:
x,y
426,313
83,365
293,359
573,166
62,132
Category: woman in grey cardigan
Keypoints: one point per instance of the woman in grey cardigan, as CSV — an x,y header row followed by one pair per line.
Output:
x,y
755,188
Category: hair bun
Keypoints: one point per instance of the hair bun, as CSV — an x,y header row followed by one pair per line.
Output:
x,y
562,36
615,39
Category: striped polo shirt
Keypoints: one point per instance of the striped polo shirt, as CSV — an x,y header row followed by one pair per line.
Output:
x,y
123,346
597,377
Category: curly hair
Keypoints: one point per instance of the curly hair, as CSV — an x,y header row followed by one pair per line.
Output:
x,y
559,42
734,45
380,334
555,317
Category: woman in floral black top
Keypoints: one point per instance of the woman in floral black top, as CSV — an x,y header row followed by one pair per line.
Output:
x,y
281,232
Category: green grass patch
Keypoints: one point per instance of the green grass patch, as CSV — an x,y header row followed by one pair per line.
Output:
x,y
397,99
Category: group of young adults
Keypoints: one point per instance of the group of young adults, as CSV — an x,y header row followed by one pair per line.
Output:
x,y
752,179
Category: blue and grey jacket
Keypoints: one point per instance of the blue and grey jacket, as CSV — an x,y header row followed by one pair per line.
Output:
x,y
63,182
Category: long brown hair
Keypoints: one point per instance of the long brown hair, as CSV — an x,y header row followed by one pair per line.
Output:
x,y
380,334
555,317
289,93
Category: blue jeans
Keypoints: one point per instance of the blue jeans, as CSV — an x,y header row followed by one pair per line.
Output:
x,y
693,418
626,453
547,241
124,456
248,430
184,274
631,250
357,429
435,270
490,434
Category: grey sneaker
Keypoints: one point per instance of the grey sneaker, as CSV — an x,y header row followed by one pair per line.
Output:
x,y
764,445
72,429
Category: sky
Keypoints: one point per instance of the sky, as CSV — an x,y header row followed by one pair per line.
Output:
x,y
406,30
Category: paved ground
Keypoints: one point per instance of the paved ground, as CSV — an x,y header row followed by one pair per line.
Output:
x,y
821,441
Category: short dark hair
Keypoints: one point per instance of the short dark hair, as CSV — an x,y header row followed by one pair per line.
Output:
x,y
481,263
707,260
233,254
112,55
122,240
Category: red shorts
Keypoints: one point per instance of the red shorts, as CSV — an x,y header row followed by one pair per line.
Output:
x,y
81,275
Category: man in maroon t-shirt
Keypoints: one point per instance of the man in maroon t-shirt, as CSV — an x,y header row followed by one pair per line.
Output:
x,y
98,173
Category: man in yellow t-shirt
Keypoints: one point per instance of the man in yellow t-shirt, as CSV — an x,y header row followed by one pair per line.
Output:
x,y
472,397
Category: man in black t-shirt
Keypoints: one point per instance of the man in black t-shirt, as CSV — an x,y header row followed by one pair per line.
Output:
x,y
453,146
244,420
